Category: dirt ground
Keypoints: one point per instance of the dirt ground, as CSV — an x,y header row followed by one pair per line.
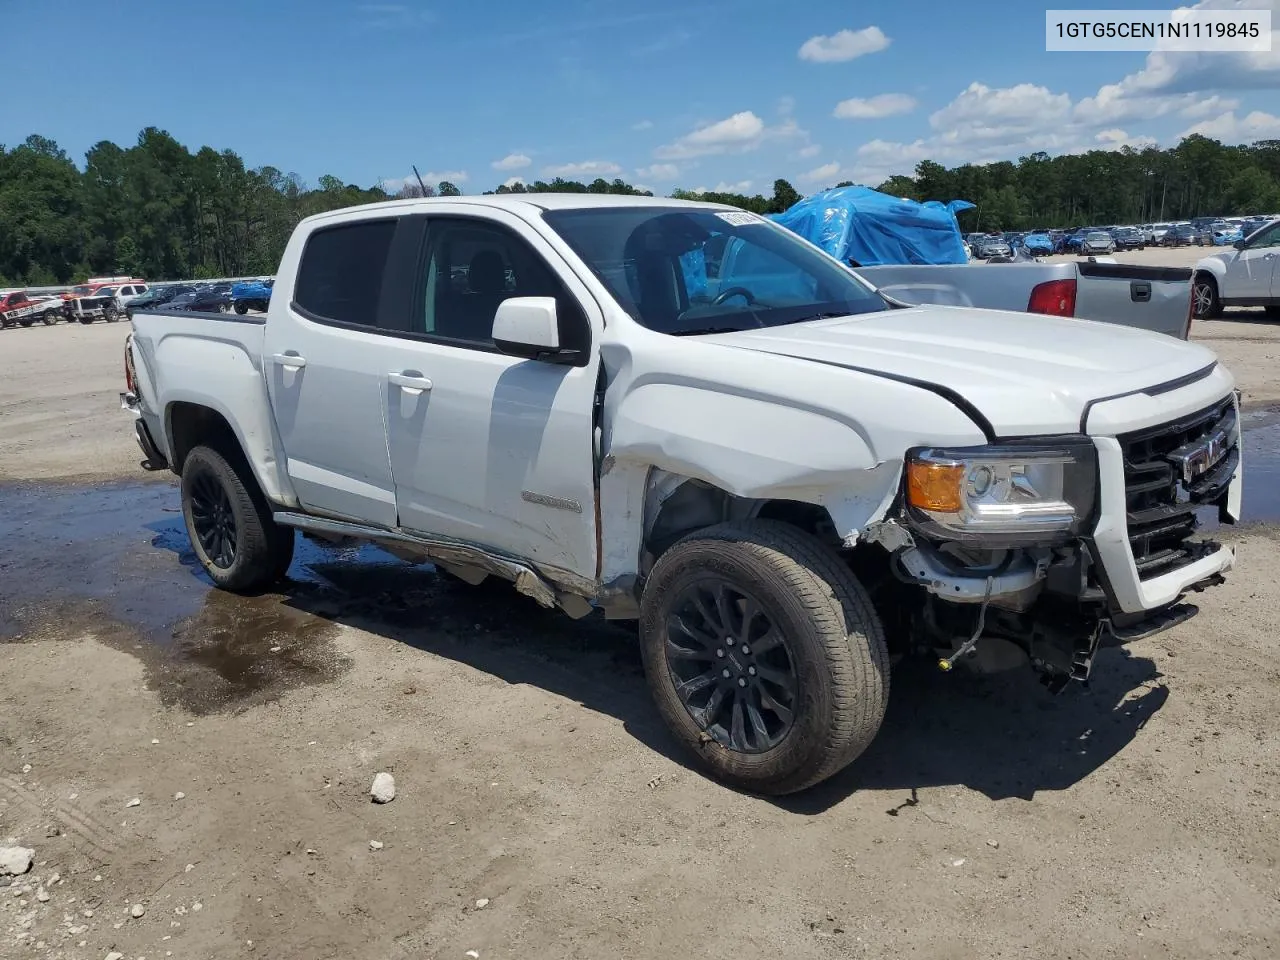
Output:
x,y
542,811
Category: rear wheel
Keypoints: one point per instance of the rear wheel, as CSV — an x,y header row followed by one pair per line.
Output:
x,y
224,308
229,522
764,655
242,308
1204,294
49,318
27,321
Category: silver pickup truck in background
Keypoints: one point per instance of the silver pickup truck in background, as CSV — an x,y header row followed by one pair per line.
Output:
x,y
1132,295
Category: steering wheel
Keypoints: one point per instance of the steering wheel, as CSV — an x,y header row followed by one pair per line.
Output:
x,y
734,292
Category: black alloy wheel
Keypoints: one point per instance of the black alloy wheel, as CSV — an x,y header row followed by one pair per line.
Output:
x,y
214,520
731,666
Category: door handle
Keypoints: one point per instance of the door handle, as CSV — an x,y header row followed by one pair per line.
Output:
x,y
410,381
290,361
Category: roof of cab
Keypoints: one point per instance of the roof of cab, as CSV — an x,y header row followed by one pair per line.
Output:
x,y
524,202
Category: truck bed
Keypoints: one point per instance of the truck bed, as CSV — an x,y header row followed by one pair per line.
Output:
x,y
1132,295
209,359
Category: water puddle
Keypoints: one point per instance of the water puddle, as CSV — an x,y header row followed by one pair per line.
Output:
x,y
1261,455
113,560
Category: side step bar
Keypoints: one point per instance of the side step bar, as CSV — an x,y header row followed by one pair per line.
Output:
x,y
462,559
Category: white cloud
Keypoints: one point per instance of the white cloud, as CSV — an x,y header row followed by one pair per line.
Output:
x,y
588,168
512,161
823,174
786,106
736,134
642,125
1208,107
440,176
742,186
1115,138
512,181
982,108
845,45
874,108
812,150
1230,129
659,171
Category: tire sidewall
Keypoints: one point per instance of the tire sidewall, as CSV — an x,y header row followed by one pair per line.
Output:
x,y
814,707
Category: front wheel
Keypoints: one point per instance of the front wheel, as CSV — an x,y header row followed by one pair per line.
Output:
x,y
241,307
764,655
49,318
1206,303
229,522
110,314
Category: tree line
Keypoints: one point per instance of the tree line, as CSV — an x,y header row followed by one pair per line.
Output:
x,y
157,210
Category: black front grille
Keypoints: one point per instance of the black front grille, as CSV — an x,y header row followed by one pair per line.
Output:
x,y
1160,501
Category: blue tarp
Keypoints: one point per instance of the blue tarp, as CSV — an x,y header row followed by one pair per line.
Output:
x,y
873,228
1038,243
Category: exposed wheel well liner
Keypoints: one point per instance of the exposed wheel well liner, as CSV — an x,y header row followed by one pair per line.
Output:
x,y
190,425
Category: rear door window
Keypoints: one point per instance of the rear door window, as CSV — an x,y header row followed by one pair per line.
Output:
x,y
340,278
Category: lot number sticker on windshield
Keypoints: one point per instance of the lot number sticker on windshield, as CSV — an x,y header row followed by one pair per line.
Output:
x,y
739,218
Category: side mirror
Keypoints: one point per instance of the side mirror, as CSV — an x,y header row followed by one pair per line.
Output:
x,y
527,327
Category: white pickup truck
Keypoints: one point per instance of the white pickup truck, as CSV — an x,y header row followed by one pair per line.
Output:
x,y
1248,275
786,483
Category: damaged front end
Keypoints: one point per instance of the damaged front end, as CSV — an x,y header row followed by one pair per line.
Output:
x,y
993,546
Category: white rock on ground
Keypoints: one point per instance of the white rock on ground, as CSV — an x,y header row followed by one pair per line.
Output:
x,y
134,802
482,903
114,955
375,844
137,910
384,788
15,861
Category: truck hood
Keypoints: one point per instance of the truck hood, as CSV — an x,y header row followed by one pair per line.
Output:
x,y
1025,373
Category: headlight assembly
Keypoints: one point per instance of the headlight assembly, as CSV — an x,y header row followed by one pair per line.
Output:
x,y
1005,493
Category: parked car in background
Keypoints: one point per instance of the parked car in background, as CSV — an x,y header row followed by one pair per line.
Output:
x,y
251,295
207,299
1178,235
16,307
1098,242
1158,230
1128,238
992,246
100,304
1227,236
1246,276
156,297
1038,244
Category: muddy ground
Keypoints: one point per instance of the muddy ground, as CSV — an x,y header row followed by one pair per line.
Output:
x,y
1139,818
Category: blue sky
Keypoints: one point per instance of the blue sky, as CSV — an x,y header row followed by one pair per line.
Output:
x,y
718,94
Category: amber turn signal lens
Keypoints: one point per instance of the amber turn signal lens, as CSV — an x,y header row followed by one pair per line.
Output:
x,y
935,486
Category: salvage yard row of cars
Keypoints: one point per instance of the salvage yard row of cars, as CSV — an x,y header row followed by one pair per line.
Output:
x,y
1201,232
109,298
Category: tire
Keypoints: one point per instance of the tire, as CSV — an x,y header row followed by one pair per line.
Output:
x,y
27,321
242,308
224,308
49,317
1204,296
1272,311
221,501
86,319
110,314
831,655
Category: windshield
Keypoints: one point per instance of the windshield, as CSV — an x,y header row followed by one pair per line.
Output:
x,y
691,270
1101,237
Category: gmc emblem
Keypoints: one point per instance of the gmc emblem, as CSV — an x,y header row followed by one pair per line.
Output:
x,y
1196,459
